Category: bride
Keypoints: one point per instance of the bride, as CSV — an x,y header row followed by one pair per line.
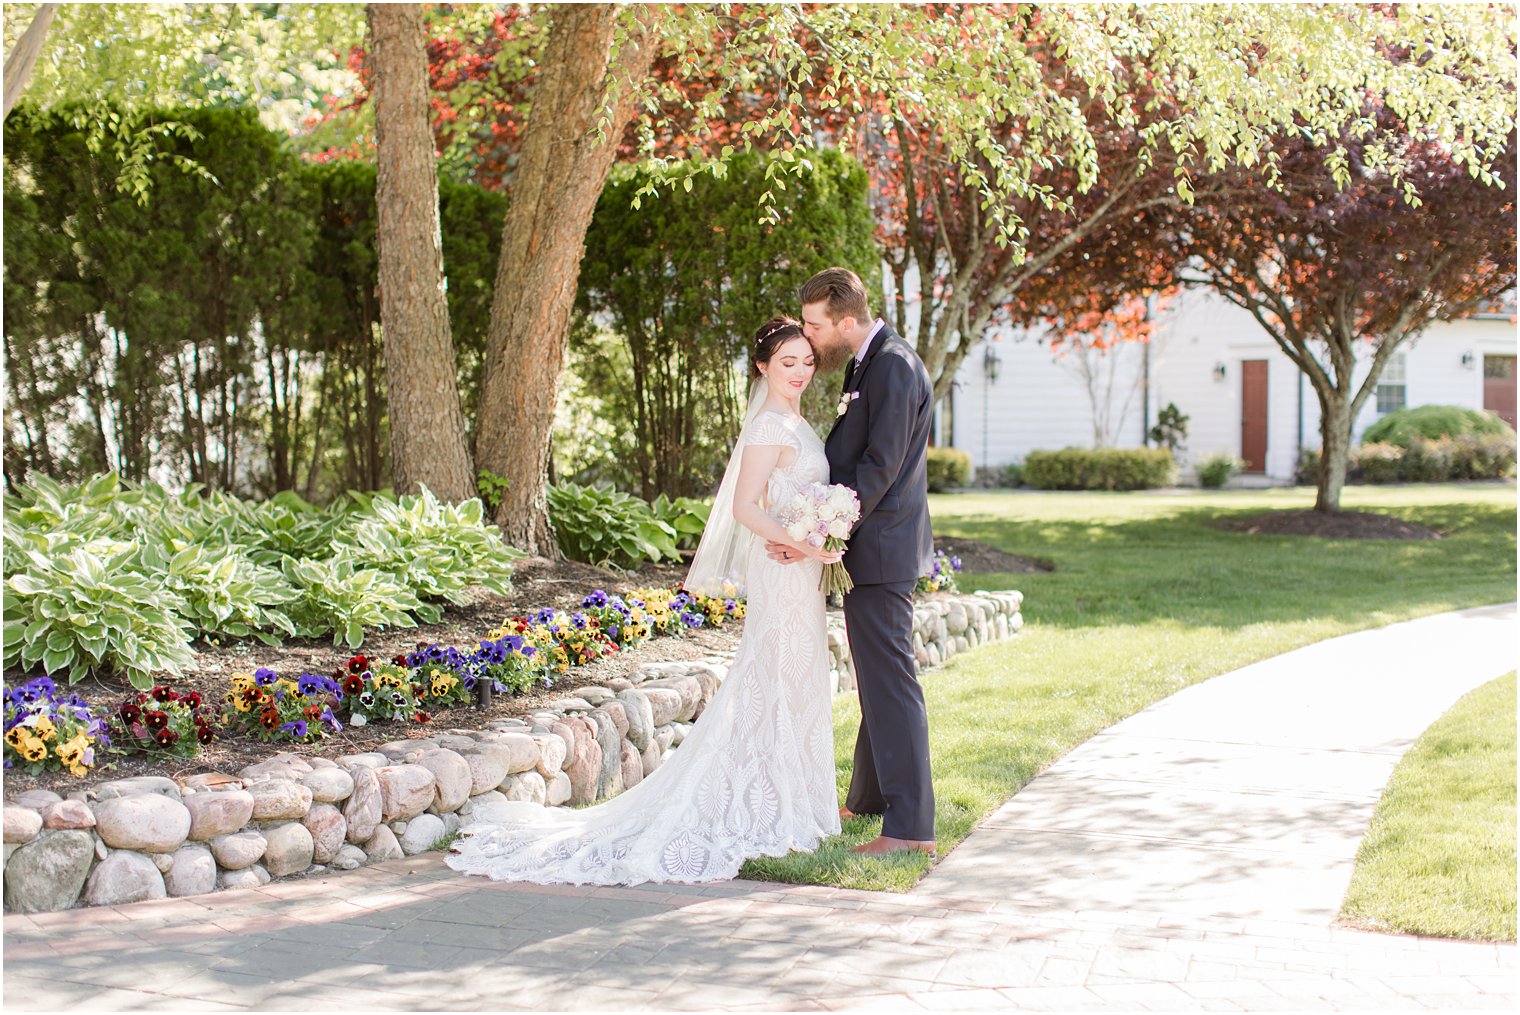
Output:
x,y
755,776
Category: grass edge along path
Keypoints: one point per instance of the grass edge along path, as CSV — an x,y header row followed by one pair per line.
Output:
x,y
1147,599
1439,856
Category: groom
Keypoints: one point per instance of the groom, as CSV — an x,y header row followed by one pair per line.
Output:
x,y
878,447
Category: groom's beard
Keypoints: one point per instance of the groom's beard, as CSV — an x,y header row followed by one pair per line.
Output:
x,y
833,357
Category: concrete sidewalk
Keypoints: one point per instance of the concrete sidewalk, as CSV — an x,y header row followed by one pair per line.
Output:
x,y
1245,796
1190,858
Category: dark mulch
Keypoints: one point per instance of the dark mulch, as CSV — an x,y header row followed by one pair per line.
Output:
x,y
1327,525
536,583
984,558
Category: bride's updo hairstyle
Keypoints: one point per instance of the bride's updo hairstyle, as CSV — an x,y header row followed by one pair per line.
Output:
x,y
773,334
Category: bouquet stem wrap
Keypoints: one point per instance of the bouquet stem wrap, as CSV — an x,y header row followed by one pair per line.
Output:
x,y
835,579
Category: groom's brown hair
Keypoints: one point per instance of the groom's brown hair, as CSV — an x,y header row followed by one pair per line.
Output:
x,y
841,290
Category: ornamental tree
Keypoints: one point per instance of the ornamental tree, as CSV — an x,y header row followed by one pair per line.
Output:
x,y
1342,274
1237,76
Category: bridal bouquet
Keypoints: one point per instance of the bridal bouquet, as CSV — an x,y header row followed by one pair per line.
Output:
x,y
822,516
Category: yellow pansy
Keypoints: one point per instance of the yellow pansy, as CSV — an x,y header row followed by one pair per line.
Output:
x,y
43,728
33,749
72,754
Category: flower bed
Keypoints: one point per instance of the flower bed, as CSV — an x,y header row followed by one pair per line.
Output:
x,y
151,836
523,653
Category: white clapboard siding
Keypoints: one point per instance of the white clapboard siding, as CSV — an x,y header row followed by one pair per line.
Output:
x,y
1039,403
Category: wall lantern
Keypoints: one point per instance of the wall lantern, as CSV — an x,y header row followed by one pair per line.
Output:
x,y
1468,360
992,364
1219,373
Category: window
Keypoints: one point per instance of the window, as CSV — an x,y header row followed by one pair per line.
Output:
x,y
1390,386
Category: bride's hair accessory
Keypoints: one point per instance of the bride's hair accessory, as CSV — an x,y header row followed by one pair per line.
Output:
x,y
773,334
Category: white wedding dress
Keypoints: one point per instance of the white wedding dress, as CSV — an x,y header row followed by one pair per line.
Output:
x,y
754,777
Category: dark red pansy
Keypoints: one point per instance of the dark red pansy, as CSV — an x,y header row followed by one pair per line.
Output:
x,y
156,721
312,712
205,734
353,684
358,663
165,737
161,694
131,713
398,659
423,716
270,718
253,695
192,700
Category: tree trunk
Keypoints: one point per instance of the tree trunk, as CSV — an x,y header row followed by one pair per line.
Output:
x,y
1335,448
428,443
559,177
23,57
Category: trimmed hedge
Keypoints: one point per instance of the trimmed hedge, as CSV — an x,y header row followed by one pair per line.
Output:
x,y
1099,469
948,467
1432,422
1489,456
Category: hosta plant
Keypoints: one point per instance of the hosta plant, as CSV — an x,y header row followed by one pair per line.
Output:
x,y
598,526
437,548
86,610
686,515
224,593
333,596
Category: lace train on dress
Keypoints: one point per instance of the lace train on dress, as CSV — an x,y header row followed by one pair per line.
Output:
x,y
754,777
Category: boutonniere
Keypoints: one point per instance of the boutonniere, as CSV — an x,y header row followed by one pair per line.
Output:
x,y
844,402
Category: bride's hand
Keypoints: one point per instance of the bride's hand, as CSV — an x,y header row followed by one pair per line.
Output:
x,y
829,556
783,553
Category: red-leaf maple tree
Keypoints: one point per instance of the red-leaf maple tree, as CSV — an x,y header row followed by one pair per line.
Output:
x,y
1342,274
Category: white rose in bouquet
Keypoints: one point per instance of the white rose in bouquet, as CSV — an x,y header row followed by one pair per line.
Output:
x,y
822,516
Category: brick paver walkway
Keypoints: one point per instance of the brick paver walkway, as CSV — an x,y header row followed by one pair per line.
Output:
x,y
1185,873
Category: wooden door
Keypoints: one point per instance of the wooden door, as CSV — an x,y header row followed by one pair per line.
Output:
x,y
1499,386
1253,414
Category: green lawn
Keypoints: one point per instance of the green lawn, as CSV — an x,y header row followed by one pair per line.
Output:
x,y
1439,858
1146,599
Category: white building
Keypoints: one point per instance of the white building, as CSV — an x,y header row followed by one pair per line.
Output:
x,y
1222,370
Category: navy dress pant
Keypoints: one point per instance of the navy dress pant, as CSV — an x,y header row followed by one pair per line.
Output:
x,y
891,776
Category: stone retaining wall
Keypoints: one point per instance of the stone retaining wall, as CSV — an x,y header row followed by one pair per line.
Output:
x,y
150,837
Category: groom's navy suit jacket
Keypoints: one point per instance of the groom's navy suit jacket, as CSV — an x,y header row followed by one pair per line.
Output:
x,y
879,448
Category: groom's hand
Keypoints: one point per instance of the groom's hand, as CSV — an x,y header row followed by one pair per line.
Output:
x,y
781,553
